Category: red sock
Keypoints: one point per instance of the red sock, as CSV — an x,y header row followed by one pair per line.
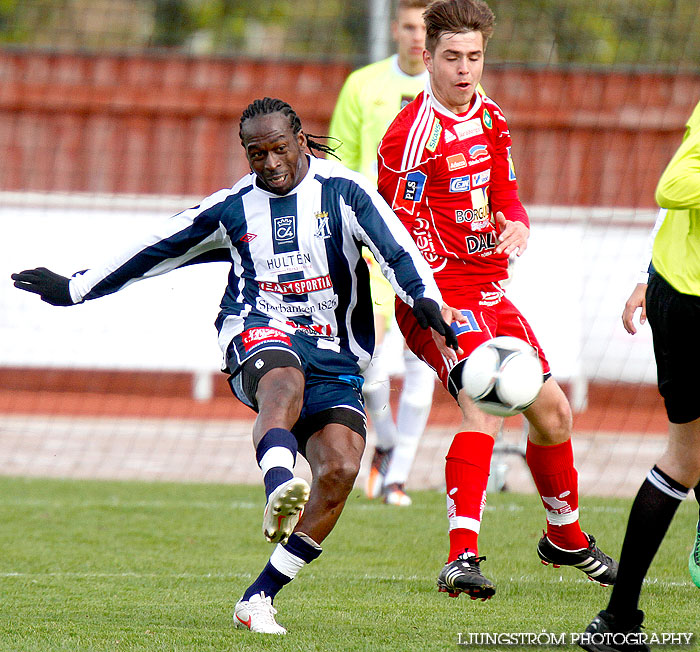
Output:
x,y
556,479
466,474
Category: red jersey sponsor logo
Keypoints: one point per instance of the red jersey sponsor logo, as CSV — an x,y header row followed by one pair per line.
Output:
x,y
460,184
468,129
302,286
434,139
482,244
456,161
409,192
262,334
424,241
472,214
478,154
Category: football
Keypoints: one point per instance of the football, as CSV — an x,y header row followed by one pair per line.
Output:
x,y
503,376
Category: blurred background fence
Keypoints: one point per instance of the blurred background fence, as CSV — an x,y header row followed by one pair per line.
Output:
x,y
114,113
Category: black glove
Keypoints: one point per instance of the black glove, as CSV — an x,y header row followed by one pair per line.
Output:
x,y
51,287
427,313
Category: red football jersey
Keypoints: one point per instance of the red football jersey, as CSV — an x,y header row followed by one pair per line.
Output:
x,y
446,176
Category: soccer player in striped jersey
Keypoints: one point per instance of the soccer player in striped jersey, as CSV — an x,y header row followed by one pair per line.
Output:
x,y
295,324
672,305
445,167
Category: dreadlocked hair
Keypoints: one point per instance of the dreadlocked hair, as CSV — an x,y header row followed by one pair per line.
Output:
x,y
269,105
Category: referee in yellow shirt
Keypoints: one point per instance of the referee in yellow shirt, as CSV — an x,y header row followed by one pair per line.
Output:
x,y
673,310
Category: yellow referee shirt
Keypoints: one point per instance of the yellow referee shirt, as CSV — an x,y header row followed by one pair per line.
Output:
x,y
368,102
676,254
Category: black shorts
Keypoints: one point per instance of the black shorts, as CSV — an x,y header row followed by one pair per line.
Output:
x,y
674,318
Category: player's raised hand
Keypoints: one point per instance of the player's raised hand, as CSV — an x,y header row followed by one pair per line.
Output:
x,y
512,236
637,300
449,314
51,287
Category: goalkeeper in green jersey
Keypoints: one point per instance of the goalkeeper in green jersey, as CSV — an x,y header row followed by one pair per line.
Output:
x,y
671,302
368,102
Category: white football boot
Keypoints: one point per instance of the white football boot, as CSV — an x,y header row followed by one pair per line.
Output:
x,y
394,494
284,509
257,615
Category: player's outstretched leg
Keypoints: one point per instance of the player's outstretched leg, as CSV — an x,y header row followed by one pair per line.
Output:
x,y
254,611
463,575
591,559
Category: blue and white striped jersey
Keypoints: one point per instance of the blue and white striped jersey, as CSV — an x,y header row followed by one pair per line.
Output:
x,y
297,261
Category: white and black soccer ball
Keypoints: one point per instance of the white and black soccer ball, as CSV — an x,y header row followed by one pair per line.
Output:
x,y
503,376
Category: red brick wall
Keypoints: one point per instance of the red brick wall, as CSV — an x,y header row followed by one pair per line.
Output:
x,y
169,125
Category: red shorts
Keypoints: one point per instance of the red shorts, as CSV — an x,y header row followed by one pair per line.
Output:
x,y
489,314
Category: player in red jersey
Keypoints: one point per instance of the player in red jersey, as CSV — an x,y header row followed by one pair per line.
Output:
x,y
445,167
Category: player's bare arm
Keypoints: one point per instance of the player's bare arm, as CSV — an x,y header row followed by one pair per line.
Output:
x,y
636,300
512,236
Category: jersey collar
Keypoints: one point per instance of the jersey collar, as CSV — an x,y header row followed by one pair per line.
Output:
x,y
439,108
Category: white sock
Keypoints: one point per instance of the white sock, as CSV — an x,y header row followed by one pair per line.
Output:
x,y
377,390
414,409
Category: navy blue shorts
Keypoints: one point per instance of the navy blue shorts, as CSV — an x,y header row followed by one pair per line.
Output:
x,y
674,319
333,384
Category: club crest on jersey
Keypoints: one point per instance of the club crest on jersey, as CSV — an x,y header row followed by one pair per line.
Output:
x,y
456,161
409,192
284,229
434,138
323,229
460,184
468,128
488,123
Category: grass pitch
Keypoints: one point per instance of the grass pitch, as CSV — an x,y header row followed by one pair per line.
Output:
x,y
111,566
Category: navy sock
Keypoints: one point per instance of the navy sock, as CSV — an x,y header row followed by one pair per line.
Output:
x,y
276,455
270,581
283,566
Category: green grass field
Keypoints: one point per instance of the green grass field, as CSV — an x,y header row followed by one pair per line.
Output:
x,y
133,566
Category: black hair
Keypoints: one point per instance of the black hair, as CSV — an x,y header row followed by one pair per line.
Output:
x,y
267,106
